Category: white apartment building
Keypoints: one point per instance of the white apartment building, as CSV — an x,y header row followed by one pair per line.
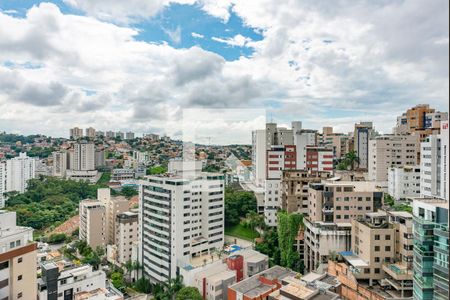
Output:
x,y
129,135
67,283
404,182
110,134
18,171
59,163
93,226
113,207
18,259
120,135
82,162
302,140
392,151
180,218
3,188
259,157
434,165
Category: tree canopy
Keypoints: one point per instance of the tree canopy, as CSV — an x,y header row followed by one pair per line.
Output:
x,y
237,205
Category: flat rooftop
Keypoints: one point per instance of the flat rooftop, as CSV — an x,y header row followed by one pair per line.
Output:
x,y
434,202
359,186
354,260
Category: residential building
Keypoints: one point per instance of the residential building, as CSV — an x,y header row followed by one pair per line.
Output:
x,y
76,133
392,151
3,186
434,165
110,134
404,182
122,174
332,205
59,163
93,226
19,170
99,160
99,133
362,134
18,259
181,218
259,152
431,254
113,207
294,189
304,139
319,159
129,135
126,235
120,135
82,162
421,120
90,132
379,265
151,137
66,282
334,141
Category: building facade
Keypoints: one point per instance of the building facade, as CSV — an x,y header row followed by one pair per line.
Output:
x,y
126,235
362,134
93,226
404,182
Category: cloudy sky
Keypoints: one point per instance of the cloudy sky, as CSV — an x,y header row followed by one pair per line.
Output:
x,y
139,64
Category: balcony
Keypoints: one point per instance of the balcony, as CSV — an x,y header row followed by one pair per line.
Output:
x,y
398,271
423,282
328,210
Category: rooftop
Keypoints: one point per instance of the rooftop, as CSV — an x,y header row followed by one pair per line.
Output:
x,y
354,260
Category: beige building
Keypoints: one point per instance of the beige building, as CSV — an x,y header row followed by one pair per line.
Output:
x,y
59,163
381,255
93,223
126,235
76,133
295,183
392,151
341,201
18,259
90,132
113,206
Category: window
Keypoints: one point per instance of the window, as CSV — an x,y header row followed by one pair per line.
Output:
x,y
346,199
19,295
4,265
366,271
338,208
19,260
377,259
377,237
387,237
377,270
360,199
387,248
377,248
19,277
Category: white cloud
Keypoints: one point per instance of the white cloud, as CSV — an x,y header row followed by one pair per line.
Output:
x,y
174,35
373,58
197,35
236,41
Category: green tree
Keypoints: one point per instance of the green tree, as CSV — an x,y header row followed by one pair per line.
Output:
x,y
129,192
288,227
238,204
143,285
351,158
117,280
189,293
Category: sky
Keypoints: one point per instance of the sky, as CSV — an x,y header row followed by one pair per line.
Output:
x,y
141,65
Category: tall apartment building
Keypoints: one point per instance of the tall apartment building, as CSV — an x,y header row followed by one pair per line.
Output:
x,y
113,207
129,135
295,184
304,139
99,133
110,134
99,159
18,171
332,206
279,158
379,265
319,159
93,226
362,134
434,165
392,151
404,182
334,141
3,187
422,120
90,132
76,133
259,151
18,259
82,162
431,253
120,134
181,218
126,235
59,163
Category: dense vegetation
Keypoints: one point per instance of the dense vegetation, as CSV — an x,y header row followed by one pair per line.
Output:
x,y
156,170
237,205
49,201
390,201
8,138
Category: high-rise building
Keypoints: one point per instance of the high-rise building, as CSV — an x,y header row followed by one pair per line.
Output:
x,y
93,226
110,134
392,151
99,158
431,255
3,187
434,165
318,159
76,133
18,259
362,134
404,182
59,163
90,132
126,235
259,157
84,156
120,134
99,133
181,218
113,207
129,135
18,171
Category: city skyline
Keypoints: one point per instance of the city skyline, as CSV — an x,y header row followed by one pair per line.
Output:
x,y
75,63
